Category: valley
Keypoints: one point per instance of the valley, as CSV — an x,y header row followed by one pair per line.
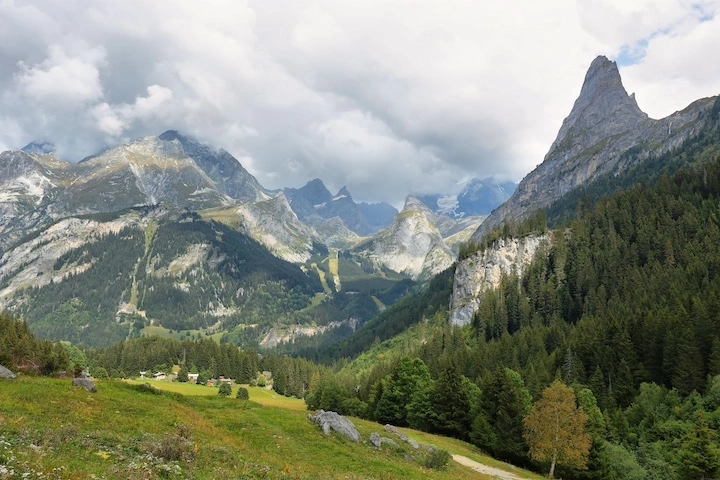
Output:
x,y
593,288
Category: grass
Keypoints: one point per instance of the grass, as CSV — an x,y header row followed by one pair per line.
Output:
x,y
179,335
262,396
49,429
333,268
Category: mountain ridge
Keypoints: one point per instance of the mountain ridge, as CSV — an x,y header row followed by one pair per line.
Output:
x,y
605,132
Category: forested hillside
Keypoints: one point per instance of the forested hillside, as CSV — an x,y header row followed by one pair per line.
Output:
x,y
621,306
20,350
181,273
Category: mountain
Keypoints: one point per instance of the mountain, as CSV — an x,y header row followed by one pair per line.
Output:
x,y
274,224
101,278
226,172
605,133
313,203
171,169
41,148
478,197
418,243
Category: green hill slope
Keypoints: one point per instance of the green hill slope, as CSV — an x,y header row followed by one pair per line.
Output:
x,y
49,429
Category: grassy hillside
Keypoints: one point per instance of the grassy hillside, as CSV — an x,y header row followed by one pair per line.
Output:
x,y
49,429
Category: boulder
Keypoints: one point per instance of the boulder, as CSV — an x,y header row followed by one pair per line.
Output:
x,y
6,374
332,421
389,441
377,440
403,437
86,383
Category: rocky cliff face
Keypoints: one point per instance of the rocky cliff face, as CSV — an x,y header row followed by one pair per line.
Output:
x,y
415,244
605,123
274,224
483,270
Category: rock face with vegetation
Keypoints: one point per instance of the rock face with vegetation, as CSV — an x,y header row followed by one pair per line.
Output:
x,y
416,244
273,223
38,188
605,132
483,271
100,279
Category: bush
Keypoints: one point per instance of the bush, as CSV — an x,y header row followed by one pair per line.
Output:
x,y
243,394
175,447
437,459
146,388
262,381
225,389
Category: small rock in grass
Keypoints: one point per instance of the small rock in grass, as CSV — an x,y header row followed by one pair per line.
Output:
x,y
6,374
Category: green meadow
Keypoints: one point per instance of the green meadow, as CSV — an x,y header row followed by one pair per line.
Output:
x,y
52,430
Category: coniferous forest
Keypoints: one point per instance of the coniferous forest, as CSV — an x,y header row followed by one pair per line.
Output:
x,y
621,305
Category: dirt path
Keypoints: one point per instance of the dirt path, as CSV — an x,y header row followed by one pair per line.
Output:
x,y
484,469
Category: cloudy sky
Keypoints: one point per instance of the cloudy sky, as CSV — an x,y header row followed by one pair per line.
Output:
x,y
384,96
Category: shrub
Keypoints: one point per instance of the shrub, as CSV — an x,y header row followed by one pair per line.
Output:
x,y
262,381
437,459
225,389
243,394
175,447
146,388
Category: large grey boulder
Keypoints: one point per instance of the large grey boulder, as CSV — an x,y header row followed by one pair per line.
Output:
x,y
6,374
86,383
332,421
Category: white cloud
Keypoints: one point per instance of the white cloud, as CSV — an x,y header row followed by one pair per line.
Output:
x,y
63,80
386,97
115,119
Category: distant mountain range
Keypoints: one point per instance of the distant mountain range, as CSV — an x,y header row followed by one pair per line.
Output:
x,y
95,210
479,197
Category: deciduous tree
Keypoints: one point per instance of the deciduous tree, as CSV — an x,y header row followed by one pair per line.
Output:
x,y
555,429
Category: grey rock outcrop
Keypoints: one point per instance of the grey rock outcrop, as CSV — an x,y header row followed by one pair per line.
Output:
x,y
6,374
391,429
329,421
378,441
86,383
596,138
483,271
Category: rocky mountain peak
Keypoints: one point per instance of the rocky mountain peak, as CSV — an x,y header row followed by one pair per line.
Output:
x,y
603,101
39,147
413,203
343,193
595,138
315,192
